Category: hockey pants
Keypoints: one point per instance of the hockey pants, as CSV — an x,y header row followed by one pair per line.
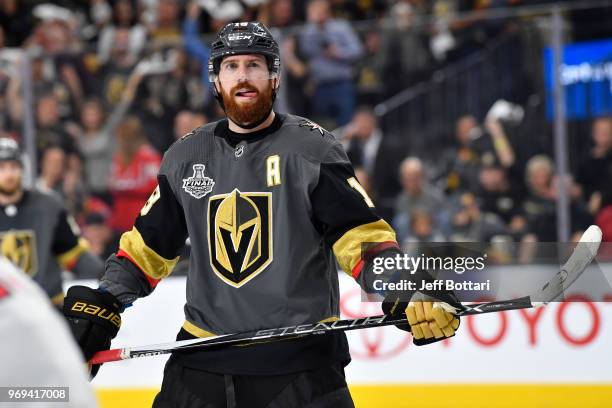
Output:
x,y
184,387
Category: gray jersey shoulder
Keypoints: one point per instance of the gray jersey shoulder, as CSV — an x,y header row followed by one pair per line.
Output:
x,y
297,134
311,140
197,143
46,199
44,202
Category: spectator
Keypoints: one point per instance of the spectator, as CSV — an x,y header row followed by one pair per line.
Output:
x,y
417,194
125,20
493,145
540,204
44,83
11,104
371,70
164,95
421,231
194,46
97,145
49,128
330,47
442,42
134,173
404,49
74,191
54,41
378,156
362,139
291,95
499,195
185,121
281,13
16,19
43,78
60,176
100,14
593,166
96,229
96,140
459,164
52,167
470,224
199,119
116,71
63,53
166,30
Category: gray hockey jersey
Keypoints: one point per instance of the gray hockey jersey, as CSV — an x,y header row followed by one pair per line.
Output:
x,y
37,236
267,217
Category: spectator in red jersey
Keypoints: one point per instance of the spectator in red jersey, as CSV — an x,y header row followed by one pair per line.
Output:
x,y
133,175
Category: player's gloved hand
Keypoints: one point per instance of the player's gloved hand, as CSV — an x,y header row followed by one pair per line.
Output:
x,y
431,317
93,317
431,321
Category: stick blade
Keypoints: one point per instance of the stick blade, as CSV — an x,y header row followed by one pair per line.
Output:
x,y
584,253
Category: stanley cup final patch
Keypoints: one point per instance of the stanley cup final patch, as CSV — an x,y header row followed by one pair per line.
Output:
x,y
198,185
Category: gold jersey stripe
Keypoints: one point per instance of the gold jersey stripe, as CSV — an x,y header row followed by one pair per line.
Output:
x,y
347,248
330,319
58,300
149,261
73,254
195,330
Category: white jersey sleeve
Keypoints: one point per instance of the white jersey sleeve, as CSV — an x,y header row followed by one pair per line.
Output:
x,y
37,348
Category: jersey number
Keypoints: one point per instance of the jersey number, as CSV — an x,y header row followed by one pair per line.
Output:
x,y
355,184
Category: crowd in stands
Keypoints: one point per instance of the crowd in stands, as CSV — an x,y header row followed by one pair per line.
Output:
x,y
115,82
476,191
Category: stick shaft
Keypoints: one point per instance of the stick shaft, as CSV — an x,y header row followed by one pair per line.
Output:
x,y
292,331
573,268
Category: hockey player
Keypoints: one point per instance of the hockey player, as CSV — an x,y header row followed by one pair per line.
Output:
x,y
38,349
265,199
36,233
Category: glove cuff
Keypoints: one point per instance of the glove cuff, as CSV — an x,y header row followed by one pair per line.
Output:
x,y
99,307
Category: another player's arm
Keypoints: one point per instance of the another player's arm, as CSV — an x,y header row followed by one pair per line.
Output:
x,y
73,252
346,217
147,253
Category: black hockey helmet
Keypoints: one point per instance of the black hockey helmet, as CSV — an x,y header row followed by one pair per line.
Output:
x,y
243,38
9,150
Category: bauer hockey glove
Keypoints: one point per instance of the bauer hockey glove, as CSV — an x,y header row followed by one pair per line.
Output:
x,y
93,317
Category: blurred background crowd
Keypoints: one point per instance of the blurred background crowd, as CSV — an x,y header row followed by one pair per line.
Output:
x,y
440,105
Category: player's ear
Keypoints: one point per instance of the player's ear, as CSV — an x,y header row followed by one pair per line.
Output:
x,y
276,82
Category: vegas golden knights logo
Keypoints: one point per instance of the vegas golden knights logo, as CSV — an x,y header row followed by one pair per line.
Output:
x,y
239,235
19,247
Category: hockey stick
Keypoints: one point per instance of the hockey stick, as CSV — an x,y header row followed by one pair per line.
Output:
x,y
583,254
